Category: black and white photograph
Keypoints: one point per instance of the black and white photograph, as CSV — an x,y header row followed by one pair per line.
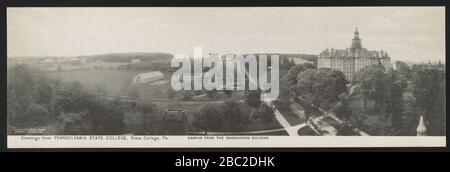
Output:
x,y
226,77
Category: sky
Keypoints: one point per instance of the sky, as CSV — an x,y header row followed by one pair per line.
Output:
x,y
415,34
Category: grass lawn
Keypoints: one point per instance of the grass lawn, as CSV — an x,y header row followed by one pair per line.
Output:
x,y
275,133
115,82
291,117
118,82
307,131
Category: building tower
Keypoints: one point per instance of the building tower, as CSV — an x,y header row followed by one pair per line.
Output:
x,y
421,129
356,41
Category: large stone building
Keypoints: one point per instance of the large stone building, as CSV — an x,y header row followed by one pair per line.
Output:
x,y
352,59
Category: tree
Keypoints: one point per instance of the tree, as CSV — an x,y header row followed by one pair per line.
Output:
x,y
29,97
233,119
284,97
320,88
104,118
43,91
291,77
36,100
373,84
286,64
227,92
394,101
403,69
92,115
428,84
425,83
436,119
134,91
20,83
146,109
345,130
211,93
117,101
253,97
187,95
170,93
266,113
209,118
35,115
342,111
340,79
70,99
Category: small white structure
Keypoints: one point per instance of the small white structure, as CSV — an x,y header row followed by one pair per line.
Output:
x,y
421,129
143,78
48,61
135,61
75,59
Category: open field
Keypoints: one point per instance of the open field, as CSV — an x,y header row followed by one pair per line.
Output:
x,y
114,82
106,80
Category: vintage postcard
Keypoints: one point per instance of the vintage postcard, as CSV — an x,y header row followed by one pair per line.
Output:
x,y
218,77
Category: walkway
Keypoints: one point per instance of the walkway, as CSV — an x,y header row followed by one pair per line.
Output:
x,y
283,122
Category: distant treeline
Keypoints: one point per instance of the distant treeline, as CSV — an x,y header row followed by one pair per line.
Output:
x,y
127,57
163,66
154,56
36,100
308,57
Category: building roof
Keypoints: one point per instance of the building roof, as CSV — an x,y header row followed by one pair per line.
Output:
x,y
356,51
353,53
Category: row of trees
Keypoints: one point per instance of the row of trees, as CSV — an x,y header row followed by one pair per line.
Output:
x,y
163,66
288,81
35,100
318,88
325,88
387,87
384,87
322,87
127,57
429,97
229,117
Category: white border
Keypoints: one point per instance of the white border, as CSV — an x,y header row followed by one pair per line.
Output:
x,y
267,142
